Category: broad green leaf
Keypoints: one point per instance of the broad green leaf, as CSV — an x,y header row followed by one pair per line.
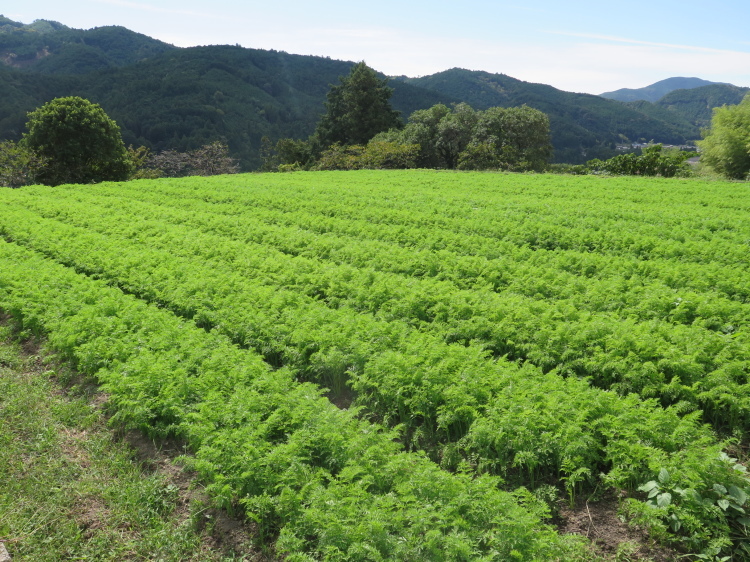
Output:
x,y
663,476
648,486
663,500
739,495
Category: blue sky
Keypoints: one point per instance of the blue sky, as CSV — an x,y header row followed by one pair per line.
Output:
x,y
578,45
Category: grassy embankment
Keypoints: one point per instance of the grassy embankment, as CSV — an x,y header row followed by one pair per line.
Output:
x,y
72,489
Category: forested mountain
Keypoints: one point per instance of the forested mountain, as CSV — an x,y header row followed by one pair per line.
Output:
x,y
696,105
657,90
49,47
165,97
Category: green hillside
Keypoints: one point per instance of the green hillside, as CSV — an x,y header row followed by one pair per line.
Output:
x,y
50,47
696,105
189,97
657,90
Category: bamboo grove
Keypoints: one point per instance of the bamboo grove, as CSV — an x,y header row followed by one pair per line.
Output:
x,y
387,365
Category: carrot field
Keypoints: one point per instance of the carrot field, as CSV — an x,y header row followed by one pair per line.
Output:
x,y
380,365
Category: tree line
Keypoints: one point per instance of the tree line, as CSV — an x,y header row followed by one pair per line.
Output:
x,y
71,140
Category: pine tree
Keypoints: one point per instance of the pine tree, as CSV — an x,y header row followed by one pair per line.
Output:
x,y
357,109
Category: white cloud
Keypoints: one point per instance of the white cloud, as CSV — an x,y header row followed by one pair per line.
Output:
x,y
614,39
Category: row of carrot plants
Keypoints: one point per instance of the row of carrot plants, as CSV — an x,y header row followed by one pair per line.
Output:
x,y
332,486
685,364
472,261
584,215
247,211
471,405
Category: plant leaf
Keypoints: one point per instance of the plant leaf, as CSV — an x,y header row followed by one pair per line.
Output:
x,y
663,476
648,486
663,500
739,495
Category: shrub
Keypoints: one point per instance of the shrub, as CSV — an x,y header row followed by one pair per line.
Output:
x,y
209,160
653,161
18,165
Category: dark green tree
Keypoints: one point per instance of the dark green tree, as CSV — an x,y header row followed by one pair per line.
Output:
x,y
357,109
79,142
515,138
422,130
726,144
454,133
297,154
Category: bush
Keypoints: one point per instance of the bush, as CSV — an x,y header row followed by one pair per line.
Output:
x,y
381,155
340,157
208,160
18,165
377,155
653,161
139,159
571,169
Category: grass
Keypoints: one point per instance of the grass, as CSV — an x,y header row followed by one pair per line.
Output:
x,y
70,489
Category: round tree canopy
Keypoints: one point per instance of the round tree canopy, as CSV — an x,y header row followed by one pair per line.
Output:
x,y
79,141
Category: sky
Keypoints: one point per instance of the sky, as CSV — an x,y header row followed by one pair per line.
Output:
x,y
575,45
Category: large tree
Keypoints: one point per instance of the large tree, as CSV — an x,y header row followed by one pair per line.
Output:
x,y
78,141
726,144
518,138
357,109
513,138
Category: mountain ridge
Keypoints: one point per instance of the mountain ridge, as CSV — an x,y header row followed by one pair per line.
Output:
x,y
49,47
654,92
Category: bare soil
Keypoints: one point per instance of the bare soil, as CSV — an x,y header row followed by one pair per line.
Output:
x,y
600,523
229,535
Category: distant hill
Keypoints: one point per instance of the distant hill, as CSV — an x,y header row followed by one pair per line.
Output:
x,y
657,90
696,105
166,97
50,47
